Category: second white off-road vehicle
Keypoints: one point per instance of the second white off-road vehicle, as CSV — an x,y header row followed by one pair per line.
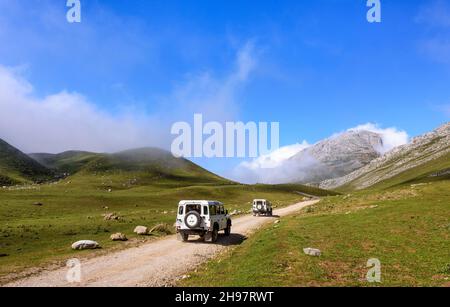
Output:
x,y
262,207
203,218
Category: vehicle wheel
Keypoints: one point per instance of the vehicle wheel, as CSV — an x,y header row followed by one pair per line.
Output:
x,y
183,237
228,230
214,235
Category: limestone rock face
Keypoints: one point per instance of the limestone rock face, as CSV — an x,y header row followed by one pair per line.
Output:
x,y
336,156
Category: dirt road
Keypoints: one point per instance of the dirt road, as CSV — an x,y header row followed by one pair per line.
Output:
x,y
156,263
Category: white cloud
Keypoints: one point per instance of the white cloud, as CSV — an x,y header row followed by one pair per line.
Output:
x,y
216,98
68,120
276,158
392,137
65,121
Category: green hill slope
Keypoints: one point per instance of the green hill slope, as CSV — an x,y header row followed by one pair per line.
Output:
x,y
141,166
16,167
66,162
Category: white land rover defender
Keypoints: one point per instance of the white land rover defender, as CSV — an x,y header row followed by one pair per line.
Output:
x,y
203,218
262,207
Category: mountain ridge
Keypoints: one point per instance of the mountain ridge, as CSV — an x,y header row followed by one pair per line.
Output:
x,y
421,151
336,156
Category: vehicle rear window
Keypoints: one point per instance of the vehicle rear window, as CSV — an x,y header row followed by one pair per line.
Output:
x,y
180,210
196,208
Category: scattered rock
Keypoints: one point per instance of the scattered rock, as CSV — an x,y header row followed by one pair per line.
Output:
x,y
373,207
277,222
111,217
3,255
234,212
85,244
106,207
312,252
109,190
119,237
141,230
185,276
38,204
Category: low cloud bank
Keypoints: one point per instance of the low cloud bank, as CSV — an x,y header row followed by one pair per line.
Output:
x,y
65,121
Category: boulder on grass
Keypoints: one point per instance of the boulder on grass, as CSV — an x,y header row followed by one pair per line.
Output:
x,y
85,244
119,237
141,230
111,217
312,252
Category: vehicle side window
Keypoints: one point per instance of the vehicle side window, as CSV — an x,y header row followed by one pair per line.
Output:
x,y
222,211
180,210
212,210
205,210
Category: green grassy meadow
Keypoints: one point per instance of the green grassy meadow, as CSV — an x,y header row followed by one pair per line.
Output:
x,y
72,210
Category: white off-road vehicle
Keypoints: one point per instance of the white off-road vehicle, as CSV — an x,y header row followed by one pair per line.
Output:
x,y
262,207
202,218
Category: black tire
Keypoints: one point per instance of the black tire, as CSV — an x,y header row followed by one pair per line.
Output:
x,y
183,237
214,235
190,222
228,229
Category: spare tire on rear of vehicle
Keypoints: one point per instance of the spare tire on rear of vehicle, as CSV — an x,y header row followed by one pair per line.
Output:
x,y
192,219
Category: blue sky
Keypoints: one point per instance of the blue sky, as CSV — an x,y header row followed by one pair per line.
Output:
x,y
132,68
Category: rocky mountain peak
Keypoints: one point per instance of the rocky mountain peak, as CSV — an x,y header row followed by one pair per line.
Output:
x,y
337,156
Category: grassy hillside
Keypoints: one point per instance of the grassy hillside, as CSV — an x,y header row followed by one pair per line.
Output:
x,y
142,166
434,170
407,228
66,162
16,167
